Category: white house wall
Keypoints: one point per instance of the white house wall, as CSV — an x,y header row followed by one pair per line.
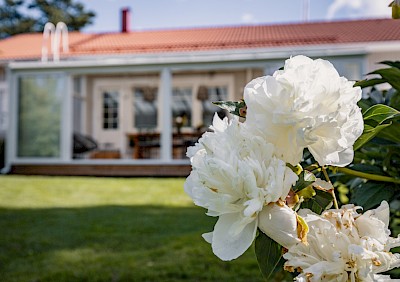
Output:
x,y
373,59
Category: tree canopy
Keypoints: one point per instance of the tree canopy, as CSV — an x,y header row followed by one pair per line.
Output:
x,y
21,16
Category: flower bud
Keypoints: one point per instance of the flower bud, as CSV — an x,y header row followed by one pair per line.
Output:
x,y
279,223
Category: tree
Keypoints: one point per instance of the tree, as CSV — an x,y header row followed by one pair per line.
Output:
x,y
12,20
21,16
72,13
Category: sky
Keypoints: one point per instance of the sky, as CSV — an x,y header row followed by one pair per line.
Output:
x,y
166,14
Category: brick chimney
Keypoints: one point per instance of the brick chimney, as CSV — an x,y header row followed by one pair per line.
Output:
x,y
125,14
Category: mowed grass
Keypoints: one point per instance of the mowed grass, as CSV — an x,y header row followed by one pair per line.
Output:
x,y
108,229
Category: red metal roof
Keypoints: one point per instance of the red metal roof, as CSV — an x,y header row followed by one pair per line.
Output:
x,y
28,46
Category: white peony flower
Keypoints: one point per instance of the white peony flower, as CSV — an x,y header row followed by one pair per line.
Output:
x,y
344,245
234,175
306,105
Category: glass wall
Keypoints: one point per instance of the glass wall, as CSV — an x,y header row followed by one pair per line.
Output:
x,y
145,108
182,107
39,115
213,94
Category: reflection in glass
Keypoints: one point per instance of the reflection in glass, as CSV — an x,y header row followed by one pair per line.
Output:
x,y
182,107
215,93
145,105
39,118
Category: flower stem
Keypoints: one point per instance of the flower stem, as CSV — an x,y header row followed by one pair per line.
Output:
x,y
332,191
368,176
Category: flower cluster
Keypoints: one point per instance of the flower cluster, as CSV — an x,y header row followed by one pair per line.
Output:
x,y
344,245
240,174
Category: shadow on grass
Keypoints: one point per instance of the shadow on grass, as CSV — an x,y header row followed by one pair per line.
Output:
x,y
114,243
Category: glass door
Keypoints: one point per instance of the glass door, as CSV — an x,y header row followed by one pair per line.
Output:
x,y
107,123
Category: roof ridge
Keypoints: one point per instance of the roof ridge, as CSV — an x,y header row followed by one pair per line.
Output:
x,y
237,26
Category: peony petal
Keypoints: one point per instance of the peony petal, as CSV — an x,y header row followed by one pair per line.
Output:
x,y
345,157
374,223
322,184
289,180
324,267
382,212
280,224
228,246
218,124
208,237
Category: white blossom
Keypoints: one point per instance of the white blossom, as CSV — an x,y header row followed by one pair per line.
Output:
x,y
344,245
234,175
306,105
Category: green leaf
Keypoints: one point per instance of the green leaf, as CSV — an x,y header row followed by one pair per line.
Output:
x,y
368,133
306,178
391,75
394,101
319,203
269,256
370,194
380,113
395,64
307,192
374,117
391,133
368,168
236,108
369,82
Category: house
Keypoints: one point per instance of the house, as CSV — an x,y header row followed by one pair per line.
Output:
x,y
129,103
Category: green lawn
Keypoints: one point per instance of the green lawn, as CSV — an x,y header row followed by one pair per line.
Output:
x,y
108,229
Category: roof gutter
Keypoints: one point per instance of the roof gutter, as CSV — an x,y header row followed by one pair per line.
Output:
x,y
234,55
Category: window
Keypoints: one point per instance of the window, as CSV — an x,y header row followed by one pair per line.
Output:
x,y
110,110
207,95
145,105
182,107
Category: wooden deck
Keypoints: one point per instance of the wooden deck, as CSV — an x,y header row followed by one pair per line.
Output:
x,y
102,170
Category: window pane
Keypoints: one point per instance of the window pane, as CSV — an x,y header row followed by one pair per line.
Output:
x,y
39,118
182,107
110,110
145,105
209,109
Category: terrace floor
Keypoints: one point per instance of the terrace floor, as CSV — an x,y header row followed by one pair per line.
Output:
x,y
126,170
